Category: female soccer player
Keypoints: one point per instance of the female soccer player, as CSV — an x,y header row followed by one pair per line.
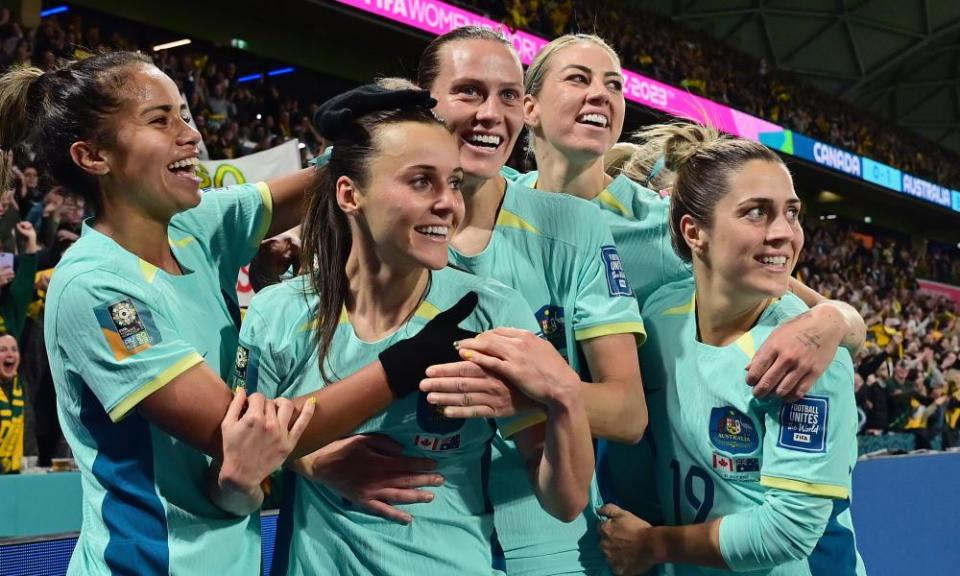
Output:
x,y
375,255
746,484
558,254
574,110
141,325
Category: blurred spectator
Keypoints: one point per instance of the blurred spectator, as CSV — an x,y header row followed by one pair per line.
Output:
x,y
12,407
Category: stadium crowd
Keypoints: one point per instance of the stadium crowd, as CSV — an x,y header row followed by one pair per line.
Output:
x,y
909,372
659,47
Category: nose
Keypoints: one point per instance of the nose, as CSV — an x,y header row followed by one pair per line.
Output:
x,y
188,134
449,201
489,111
781,229
598,93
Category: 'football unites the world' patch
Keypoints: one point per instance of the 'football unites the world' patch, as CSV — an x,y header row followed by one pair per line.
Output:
x,y
617,282
803,424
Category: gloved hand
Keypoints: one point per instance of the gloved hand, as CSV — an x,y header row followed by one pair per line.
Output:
x,y
406,361
337,113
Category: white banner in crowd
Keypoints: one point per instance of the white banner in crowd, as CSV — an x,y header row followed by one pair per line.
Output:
x,y
277,161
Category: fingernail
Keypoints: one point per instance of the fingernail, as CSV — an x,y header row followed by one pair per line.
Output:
x,y
237,389
468,354
312,401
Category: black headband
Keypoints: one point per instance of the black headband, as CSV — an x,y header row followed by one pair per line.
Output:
x,y
339,112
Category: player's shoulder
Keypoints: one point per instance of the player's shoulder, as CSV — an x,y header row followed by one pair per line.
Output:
x,y
286,304
672,299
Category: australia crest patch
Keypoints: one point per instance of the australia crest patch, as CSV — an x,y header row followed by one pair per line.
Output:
x,y
732,431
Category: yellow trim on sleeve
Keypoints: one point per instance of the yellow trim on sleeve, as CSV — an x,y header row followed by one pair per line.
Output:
x,y
683,308
267,218
608,329
826,490
522,423
609,200
511,220
177,368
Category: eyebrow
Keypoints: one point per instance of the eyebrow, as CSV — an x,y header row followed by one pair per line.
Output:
x,y
471,79
586,69
761,200
164,108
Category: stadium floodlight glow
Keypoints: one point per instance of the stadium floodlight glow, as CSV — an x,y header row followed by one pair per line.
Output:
x,y
239,43
249,78
868,219
173,44
280,71
259,116
52,11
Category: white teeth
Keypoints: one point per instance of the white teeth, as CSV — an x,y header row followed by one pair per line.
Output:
x,y
434,230
185,163
774,260
598,119
485,139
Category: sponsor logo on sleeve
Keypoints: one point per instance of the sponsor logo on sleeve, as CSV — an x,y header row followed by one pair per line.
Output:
x,y
803,424
617,282
128,327
732,431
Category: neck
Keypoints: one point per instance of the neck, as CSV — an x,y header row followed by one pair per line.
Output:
x,y
723,312
137,232
382,297
583,178
482,199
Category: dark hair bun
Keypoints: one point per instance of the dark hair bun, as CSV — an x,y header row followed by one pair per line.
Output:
x,y
338,113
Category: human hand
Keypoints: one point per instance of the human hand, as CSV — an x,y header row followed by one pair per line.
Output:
x,y
625,541
29,235
530,363
257,440
405,362
65,235
6,276
370,471
793,357
465,390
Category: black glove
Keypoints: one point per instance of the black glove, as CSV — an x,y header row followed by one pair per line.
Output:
x,y
406,362
337,113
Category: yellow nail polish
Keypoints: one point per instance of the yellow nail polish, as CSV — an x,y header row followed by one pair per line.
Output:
x,y
237,389
312,401
468,354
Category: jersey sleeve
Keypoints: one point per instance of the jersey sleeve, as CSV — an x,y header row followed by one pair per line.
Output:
x,y
604,302
258,367
123,345
517,314
234,221
810,445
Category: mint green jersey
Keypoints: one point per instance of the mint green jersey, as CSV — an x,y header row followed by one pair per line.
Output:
x,y
319,531
558,253
639,220
118,329
719,450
